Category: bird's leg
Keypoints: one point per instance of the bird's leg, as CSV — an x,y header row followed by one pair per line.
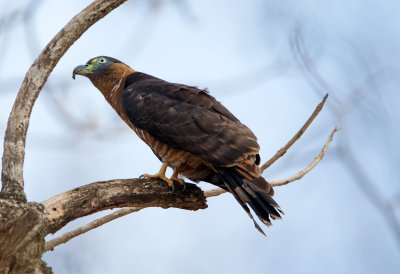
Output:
x,y
175,178
160,175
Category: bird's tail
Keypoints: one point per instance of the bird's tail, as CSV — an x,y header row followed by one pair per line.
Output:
x,y
249,193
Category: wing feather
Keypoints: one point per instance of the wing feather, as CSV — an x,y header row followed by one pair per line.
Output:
x,y
189,119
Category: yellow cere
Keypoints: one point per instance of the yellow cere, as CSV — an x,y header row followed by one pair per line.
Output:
x,y
94,60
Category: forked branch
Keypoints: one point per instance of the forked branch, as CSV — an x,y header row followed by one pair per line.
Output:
x,y
218,191
301,174
297,136
50,245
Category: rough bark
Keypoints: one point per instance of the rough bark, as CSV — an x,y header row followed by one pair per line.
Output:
x,y
23,226
21,238
88,199
21,223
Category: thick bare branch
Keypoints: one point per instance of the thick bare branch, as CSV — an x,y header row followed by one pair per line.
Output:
x,y
35,78
50,245
297,136
54,203
316,160
88,199
25,227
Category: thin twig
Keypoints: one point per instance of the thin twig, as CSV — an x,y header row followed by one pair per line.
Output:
x,y
50,245
283,150
214,192
300,174
218,191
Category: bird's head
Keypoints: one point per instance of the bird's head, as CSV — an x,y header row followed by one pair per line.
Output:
x,y
96,66
106,73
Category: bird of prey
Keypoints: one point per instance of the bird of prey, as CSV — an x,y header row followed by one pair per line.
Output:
x,y
189,131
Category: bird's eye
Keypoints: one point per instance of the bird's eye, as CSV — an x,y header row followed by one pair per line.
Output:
x,y
102,60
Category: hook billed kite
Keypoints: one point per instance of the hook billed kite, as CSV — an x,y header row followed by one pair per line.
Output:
x,y
189,131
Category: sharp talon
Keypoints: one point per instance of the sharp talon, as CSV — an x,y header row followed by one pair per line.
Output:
x,y
184,186
141,176
158,176
178,180
173,188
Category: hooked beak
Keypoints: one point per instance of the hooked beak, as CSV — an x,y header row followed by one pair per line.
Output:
x,y
83,70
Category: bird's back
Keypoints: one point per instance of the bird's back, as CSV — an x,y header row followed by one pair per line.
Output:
x,y
187,118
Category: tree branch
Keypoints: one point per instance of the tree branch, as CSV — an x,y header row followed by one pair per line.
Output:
x,y
297,136
50,245
297,176
55,201
25,227
303,172
218,191
214,192
88,199
35,78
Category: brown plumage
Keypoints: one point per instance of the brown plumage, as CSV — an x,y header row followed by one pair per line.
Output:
x,y
188,130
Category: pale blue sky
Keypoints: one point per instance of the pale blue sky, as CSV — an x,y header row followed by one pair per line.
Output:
x,y
243,52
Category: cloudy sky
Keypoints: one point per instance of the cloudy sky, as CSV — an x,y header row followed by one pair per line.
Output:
x,y
270,63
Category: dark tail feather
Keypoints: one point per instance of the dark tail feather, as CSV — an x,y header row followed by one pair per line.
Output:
x,y
246,192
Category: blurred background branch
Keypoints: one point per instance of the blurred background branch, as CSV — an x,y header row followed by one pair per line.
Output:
x,y
287,54
353,102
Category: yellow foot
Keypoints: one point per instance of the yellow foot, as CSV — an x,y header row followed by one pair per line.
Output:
x,y
160,177
175,178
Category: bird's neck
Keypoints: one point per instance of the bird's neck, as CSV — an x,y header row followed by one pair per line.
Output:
x,y
111,84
